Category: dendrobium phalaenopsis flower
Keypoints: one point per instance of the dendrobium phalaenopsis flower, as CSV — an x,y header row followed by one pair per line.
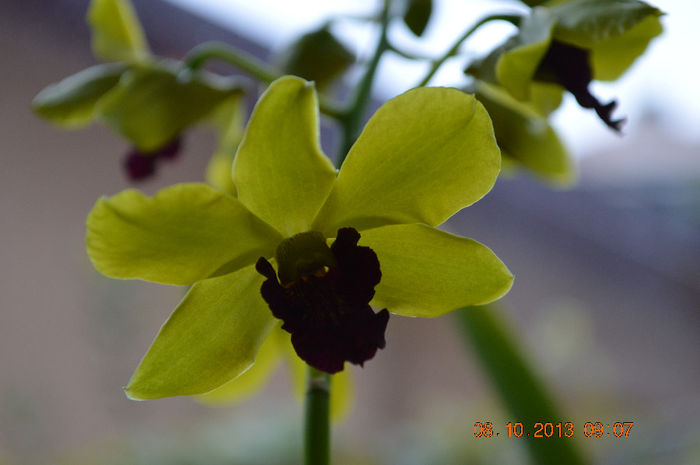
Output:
x,y
567,45
307,244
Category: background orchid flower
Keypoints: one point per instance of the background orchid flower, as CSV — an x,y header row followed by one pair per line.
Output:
x,y
422,157
146,99
525,136
566,45
560,45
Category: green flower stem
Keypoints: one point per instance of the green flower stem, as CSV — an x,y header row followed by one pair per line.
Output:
x,y
352,119
317,433
520,388
345,18
455,48
410,55
202,53
199,55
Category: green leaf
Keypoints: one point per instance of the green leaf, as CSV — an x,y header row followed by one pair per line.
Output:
x,y
417,15
423,156
254,379
116,32
427,272
280,172
317,56
524,135
71,102
184,233
517,65
152,105
519,387
210,338
585,23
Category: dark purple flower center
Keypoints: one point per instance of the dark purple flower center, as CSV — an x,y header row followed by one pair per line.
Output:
x,y
139,165
323,296
570,67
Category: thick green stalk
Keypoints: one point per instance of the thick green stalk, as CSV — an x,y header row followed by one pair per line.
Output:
x,y
521,390
455,48
317,433
317,416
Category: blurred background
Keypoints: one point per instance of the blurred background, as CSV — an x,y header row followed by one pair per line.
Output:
x,y
606,298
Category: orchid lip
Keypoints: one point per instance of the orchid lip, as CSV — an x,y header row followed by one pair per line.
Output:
x,y
322,295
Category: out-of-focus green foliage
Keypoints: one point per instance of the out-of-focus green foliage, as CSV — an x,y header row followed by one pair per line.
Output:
x,y
520,388
317,56
149,104
417,15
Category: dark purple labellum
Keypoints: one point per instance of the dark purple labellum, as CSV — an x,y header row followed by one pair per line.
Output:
x,y
570,67
140,166
171,150
326,309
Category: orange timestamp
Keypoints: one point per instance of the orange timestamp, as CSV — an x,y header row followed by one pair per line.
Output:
x,y
597,429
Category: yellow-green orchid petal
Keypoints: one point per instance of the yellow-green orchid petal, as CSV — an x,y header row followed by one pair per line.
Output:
x,y
616,33
153,104
611,58
422,157
228,120
517,65
545,97
427,272
342,386
211,337
184,233
254,379
71,102
585,23
526,136
280,172
218,172
116,32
